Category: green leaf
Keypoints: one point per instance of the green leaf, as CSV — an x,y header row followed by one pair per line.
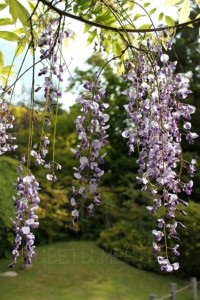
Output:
x,y
145,26
146,4
21,46
152,11
129,3
108,42
3,79
6,21
137,16
17,10
160,17
169,21
75,8
32,6
9,36
87,27
7,70
106,18
97,10
23,14
184,12
85,5
121,69
3,5
22,31
12,9
92,36
117,49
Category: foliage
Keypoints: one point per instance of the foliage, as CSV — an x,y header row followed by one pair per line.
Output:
x,y
7,179
108,23
190,242
130,241
128,244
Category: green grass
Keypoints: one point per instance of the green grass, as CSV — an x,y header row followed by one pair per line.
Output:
x,y
80,270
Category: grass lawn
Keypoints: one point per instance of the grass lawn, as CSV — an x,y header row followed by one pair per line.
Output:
x,y
80,270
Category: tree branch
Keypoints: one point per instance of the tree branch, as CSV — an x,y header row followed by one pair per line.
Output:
x,y
115,29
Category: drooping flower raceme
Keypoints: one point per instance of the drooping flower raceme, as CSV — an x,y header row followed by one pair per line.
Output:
x,y
158,119
6,124
40,154
91,126
26,203
50,45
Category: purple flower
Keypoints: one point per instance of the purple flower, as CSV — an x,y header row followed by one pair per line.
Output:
x,y
51,177
174,250
161,223
26,203
6,125
158,235
156,248
91,127
166,265
188,187
192,168
157,122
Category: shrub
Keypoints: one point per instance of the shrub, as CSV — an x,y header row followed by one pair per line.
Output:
x,y
190,241
8,167
129,245
132,242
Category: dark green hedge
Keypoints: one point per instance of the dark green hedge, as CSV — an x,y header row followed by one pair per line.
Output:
x,y
133,244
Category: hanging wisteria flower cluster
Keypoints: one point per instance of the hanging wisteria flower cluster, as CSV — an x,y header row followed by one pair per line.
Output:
x,y
91,126
158,120
26,203
6,125
39,154
50,46
26,199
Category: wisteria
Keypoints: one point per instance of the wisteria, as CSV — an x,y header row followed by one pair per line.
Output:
x,y
50,45
26,203
27,199
91,127
6,125
40,154
158,120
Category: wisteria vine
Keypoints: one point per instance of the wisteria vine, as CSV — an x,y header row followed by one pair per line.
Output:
x,y
91,126
158,120
50,45
26,199
6,125
26,203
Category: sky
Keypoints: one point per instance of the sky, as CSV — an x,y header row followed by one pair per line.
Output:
x,y
75,55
